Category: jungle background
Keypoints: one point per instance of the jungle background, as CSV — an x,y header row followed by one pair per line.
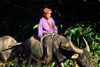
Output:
x,y
20,18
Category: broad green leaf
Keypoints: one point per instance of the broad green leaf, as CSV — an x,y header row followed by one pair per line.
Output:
x,y
61,26
53,64
36,26
73,31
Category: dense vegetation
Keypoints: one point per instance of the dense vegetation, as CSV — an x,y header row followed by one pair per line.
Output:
x,y
76,18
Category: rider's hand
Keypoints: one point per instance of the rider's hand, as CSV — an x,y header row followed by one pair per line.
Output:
x,y
41,38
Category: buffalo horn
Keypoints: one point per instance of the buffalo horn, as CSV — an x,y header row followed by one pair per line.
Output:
x,y
18,43
76,49
87,46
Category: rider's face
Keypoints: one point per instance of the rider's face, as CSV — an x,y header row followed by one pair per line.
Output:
x,y
47,15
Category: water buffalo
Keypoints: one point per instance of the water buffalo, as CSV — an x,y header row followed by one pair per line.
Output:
x,y
61,49
8,49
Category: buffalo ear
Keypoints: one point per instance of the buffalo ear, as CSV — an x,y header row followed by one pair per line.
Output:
x,y
75,56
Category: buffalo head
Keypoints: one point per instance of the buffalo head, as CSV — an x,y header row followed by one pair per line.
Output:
x,y
81,55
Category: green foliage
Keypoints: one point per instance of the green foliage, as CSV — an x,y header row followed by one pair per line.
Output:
x,y
69,63
11,64
52,65
35,26
92,38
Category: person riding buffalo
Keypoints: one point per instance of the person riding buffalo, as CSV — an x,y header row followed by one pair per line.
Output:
x,y
46,26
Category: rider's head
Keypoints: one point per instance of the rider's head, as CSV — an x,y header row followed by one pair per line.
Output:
x,y
47,13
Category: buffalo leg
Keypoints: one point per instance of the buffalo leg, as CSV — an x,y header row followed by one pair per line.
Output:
x,y
76,65
16,61
29,61
61,65
33,64
42,64
4,64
